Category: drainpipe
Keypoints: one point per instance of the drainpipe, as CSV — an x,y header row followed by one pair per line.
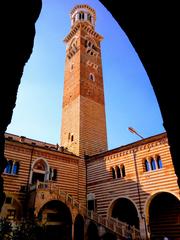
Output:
x,y
32,151
138,190
27,184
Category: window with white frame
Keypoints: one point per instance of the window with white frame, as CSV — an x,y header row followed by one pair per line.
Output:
x,y
152,163
12,167
118,171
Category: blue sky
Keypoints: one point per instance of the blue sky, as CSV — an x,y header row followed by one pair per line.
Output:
x,y
129,97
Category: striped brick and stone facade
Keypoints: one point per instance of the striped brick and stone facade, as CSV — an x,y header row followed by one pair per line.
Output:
x,y
137,174
37,161
139,177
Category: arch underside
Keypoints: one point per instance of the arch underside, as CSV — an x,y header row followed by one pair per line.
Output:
x,y
124,210
164,215
57,220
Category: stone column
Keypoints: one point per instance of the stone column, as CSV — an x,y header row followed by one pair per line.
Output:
x,y
72,231
143,228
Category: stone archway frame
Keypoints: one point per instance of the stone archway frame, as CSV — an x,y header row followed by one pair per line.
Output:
x,y
109,210
37,211
74,212
142,224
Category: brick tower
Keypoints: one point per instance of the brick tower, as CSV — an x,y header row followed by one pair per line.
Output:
x,y
83,129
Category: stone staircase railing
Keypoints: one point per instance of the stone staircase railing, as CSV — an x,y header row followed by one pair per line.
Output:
x,y
120,228
115,225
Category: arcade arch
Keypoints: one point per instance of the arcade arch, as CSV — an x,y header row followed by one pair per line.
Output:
x,y
124,210
79,228
92,231
57,219
163,214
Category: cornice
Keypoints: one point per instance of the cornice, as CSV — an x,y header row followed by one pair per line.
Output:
x,y
82,26
145,144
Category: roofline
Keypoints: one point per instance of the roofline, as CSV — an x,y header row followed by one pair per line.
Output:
x,y
38,144
129,146
83,6
54,147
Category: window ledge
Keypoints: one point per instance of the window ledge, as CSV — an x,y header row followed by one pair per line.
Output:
x,y
10,174
152,171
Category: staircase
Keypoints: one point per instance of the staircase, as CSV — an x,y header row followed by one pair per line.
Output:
x,y
121,229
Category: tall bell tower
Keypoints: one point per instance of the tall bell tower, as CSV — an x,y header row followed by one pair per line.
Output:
x,y
83,129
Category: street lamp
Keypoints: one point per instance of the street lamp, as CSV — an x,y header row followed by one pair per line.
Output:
x,y
132,130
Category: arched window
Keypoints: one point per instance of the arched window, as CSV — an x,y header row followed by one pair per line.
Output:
x,y
123,170
89,44
81,16
40,171
72,138
91,77
118,172
113,173
159,162
153,164
15,168
147,165
8,168
89,18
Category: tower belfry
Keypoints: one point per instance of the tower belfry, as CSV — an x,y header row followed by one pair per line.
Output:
x,y
83,129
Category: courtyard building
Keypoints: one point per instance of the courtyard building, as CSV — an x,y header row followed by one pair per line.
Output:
x,y
79,189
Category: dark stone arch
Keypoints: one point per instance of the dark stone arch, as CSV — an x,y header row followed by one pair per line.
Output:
x,y
20,17
92,232
164,212
109,236
79,228
124,210
57,219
